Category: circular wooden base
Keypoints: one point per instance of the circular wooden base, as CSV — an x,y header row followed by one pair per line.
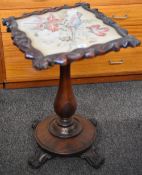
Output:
x,y
65,146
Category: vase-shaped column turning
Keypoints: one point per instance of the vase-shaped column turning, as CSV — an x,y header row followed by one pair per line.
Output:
x,y
65,125
65,133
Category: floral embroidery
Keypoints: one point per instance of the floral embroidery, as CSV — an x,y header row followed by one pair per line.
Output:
x,y
40,23
98,30
70,24
51,23
66,30
75,20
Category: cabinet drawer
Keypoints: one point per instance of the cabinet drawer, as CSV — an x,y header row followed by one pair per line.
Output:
x,y
125,14
19,4
20,69
130,62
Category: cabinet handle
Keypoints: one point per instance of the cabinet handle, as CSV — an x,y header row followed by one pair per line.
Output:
x,y
116,62
120,17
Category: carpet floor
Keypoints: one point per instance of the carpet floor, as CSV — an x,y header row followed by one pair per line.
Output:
x,y
117,108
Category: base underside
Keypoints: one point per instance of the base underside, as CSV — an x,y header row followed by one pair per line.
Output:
x,y
65,146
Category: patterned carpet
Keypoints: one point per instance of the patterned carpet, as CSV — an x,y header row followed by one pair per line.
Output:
x,y
117,108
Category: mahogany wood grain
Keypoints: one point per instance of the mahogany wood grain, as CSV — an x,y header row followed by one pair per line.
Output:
x,y
19,69
65,146
22,4
65,106
65,97
118,11
65,133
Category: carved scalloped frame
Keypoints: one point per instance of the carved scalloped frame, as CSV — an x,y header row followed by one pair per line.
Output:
x,y
43,62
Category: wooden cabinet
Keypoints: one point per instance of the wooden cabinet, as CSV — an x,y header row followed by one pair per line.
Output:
x,y
114,66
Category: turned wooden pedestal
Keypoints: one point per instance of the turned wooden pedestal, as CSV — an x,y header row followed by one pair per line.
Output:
x,y
65,133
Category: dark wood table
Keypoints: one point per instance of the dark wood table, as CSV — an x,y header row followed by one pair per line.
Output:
x,y
62,35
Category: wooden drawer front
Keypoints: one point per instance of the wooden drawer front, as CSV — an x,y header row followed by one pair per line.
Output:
x,y
124,15
20,69
19,4
133,12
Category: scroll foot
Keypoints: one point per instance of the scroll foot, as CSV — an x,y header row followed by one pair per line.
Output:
x,y
35,123
93,158
39,159
94,121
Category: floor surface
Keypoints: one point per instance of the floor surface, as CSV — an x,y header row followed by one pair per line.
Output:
x,y
116,106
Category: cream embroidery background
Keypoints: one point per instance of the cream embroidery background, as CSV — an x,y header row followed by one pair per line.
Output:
x,y
66,30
